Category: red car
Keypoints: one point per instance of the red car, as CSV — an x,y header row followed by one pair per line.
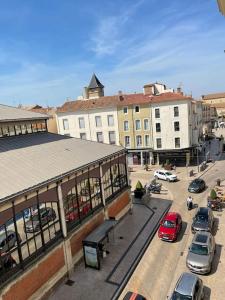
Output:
x,y
170,226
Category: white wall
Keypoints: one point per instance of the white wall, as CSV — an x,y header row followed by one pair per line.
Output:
x,y
167,120
90,126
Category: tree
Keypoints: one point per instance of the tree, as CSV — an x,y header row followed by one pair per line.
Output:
x,y
213,194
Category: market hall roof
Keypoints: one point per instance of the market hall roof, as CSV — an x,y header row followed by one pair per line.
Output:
x,y
119,100
10,113
28,161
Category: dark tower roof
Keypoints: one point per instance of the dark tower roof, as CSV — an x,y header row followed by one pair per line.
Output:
x,y
95,83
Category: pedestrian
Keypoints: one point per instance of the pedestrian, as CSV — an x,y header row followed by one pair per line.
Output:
x,y
174,168
189,203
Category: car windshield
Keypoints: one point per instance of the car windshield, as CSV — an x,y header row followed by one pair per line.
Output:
x,y
195,183
201,218
34,218
168,173
168,224
199,249
178,296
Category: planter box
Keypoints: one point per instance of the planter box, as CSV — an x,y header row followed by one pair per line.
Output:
x,y
139,193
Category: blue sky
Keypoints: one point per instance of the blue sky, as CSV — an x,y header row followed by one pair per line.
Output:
x,y
50,48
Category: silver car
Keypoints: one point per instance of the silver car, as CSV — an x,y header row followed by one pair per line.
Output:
x,y
201,252
8,241
188,287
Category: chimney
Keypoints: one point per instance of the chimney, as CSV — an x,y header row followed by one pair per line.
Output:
x,y
148,89
120,96
85,94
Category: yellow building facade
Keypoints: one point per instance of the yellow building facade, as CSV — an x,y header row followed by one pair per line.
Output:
x,y
135,131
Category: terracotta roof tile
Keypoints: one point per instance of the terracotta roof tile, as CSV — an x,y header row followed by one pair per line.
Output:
x,y
213,96
119,100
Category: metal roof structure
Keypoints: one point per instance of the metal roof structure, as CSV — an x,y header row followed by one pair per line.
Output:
x,y
29,161
10,113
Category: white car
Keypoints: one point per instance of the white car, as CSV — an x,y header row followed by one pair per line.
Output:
x,y
165,175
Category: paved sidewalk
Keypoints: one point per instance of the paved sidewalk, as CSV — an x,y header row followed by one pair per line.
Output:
x,y
131,236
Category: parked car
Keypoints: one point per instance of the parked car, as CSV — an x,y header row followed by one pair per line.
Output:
x,y
8,241
203,220
170,227
201,253
47,214
165,175
196,186
133,296
188,287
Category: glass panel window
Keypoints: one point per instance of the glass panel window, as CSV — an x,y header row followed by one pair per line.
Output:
x,y
81,123
157,127
110,120
127,141
176,111
100,137
138,140
98,121
176,126
125,110
137,124
147,140
177,142
65,124
159,143
146,124
126,125
83,136
112,137
157,113
137,109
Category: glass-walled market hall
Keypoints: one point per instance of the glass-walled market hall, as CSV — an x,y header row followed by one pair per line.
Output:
x,y
33,223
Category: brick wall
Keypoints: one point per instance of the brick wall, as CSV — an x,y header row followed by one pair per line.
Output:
x,y
78,237
34,279
116,206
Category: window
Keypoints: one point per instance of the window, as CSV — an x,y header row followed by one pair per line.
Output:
x,y
83,136
138,124
110,120
147,140
159,143
177,142
112,137
125,110
138,140
81,122
157,113
126,125
176,126
65,124
137,109
100,137
176,111
98,121
127,141
146,124
157,127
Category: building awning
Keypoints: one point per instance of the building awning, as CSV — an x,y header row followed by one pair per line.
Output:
x,y
99,234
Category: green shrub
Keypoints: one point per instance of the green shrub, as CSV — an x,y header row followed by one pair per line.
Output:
x,y
139,186
213,194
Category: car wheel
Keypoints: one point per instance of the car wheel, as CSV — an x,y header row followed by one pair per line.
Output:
x,y
167,179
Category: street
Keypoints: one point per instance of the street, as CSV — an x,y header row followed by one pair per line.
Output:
x,y
162,263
